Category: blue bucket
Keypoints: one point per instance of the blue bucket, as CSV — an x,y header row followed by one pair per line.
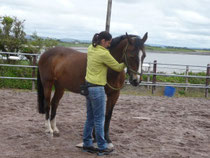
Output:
x,y
169,91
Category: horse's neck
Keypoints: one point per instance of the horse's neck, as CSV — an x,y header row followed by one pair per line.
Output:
x,y
117,54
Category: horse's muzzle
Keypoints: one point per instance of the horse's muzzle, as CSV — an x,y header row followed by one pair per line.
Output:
x,y
134,82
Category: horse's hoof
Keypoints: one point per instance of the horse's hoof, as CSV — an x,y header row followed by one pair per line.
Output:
x,y
55,130
50,135
110,146
50,132
56,134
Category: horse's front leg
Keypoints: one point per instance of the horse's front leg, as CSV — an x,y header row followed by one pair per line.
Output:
x,y
111,101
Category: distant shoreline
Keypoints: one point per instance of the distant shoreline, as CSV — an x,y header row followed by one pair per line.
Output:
x,y
177,52
84,49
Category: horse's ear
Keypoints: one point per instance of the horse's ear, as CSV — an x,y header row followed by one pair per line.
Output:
x,y
145,37
129,39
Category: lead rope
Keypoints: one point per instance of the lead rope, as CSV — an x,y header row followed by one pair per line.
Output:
x,y
116,89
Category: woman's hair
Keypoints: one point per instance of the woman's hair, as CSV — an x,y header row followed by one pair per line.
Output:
x,y
100,36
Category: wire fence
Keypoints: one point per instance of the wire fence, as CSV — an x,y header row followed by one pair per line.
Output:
x,y
155,69
151,70
11,56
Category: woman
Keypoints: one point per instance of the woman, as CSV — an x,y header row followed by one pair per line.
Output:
x,y
98,61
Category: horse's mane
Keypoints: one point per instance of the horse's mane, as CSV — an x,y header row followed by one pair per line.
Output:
x,y
117,40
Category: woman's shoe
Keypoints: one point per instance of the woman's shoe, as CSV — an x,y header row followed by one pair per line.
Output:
x,y
106,151
90,149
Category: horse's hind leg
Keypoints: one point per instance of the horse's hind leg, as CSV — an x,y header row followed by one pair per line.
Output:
x,y
55,101
47,93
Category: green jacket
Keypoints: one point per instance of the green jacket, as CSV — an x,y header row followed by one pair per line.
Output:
x,y
98,61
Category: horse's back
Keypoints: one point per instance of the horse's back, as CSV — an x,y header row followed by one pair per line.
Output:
x,y
66,66
58,53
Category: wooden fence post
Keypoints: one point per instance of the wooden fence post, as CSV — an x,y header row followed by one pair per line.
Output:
x,y
148,76
154,76
33,72
207,80
186,79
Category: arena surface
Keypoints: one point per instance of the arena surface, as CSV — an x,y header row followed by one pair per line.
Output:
x,y
141,127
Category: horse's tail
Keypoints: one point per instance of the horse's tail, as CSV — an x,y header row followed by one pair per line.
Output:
x,y
40,94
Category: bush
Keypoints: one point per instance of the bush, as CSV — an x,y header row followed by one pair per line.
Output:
x,y
16,72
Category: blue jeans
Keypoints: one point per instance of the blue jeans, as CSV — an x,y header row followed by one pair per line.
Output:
x,y
96,101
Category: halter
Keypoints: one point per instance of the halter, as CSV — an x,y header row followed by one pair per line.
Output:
x,y
128,67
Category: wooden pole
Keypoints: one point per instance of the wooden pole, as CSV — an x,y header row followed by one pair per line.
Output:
x,y
186,73
108,15
154,76
148,76
33,72
207,80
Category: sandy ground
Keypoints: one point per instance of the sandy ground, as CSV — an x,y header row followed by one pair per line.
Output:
x,y
141,127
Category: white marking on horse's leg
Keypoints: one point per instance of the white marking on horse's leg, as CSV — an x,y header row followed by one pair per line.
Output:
x,y
48,127
110,146
53,125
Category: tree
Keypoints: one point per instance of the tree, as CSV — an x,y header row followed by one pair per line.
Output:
x,y
37,45
12,35
12,38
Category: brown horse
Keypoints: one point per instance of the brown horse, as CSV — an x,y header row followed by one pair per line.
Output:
x,y
65,68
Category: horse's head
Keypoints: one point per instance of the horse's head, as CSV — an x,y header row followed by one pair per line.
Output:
x,y
130,50
134,54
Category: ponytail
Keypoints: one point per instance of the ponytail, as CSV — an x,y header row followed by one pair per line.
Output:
x,y
95,40
100,36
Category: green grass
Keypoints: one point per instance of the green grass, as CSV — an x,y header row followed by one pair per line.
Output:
x,y
147,91
174,49
180,92
16,72
67,44
180,79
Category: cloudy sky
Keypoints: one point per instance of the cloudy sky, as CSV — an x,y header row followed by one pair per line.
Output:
x,y
184,23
